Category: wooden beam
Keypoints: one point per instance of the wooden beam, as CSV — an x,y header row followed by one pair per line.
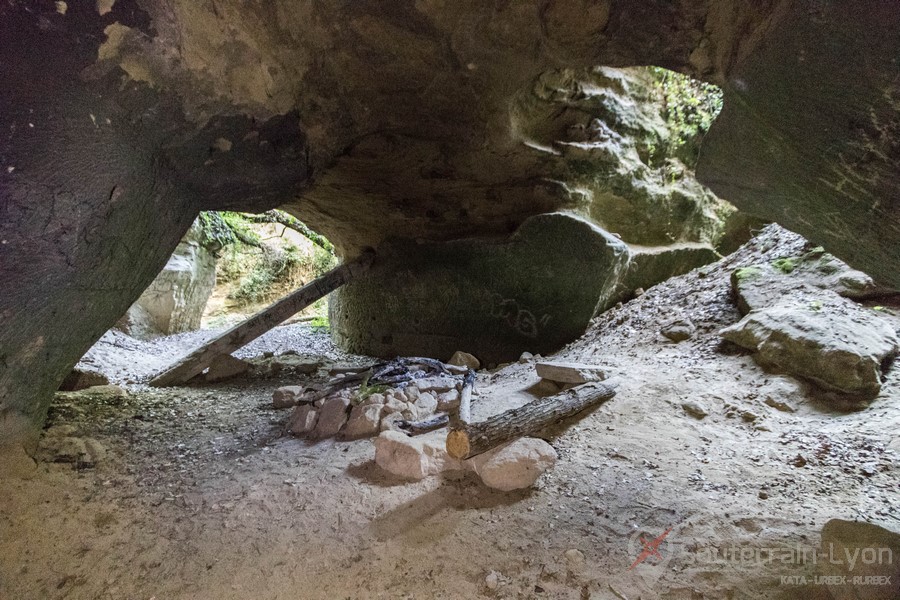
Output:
x,y
243,333
468,440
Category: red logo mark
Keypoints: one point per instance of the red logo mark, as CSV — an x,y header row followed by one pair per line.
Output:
x,y
650,548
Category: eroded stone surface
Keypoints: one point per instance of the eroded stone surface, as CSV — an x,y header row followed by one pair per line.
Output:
x,y
145,113
821,337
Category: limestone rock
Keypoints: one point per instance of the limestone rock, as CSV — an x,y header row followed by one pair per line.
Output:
x,y
177,297
525,357
60,445
363,422
649,265
287,363
564,372
695,409
391,422
439,384
332,417
375,398
570,266
81,378
303,419
138,323
464,359
410,412
860,550
287,396
414,457
110,394
830,341
516,465
426,405
392,405
448,401
411,392
225,367
678,330
763,285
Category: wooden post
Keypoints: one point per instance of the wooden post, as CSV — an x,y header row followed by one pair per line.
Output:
x,y
243,333
468,440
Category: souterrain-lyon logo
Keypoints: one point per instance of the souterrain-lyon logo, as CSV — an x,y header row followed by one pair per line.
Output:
x,y
651,548
651,551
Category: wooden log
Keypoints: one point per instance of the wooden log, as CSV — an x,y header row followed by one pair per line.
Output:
x,y
468,440
463,415
243,333
433,422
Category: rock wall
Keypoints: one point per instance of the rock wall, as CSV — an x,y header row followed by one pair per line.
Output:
x,y
122,120
636,216
534,291
810,133
175,301
100,177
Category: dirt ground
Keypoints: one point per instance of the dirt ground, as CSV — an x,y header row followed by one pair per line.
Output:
x,y
200,495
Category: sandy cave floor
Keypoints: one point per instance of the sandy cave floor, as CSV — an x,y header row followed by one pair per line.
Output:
x,y
202,497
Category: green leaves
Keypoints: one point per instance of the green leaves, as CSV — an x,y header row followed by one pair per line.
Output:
x,y
690,107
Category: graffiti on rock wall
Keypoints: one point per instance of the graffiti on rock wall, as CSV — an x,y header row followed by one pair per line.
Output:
x,y
516,316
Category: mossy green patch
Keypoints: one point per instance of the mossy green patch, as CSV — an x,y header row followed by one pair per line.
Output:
x,y
747,273
785,265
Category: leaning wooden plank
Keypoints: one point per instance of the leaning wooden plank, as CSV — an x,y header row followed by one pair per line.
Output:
x,y
243,333
465,441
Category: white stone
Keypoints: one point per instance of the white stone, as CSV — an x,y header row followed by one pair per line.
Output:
x,y
516,465
492,581
414,457
392,405
374,399
525,357
287,396
332,417
464,359
363,422
175,301
411,392
410,412
303,419
574,559
437,384
390,422
426,404
448,400
563,372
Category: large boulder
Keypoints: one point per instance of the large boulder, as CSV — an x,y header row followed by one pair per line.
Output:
x,y
860,560
762,285
535,290
818,335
